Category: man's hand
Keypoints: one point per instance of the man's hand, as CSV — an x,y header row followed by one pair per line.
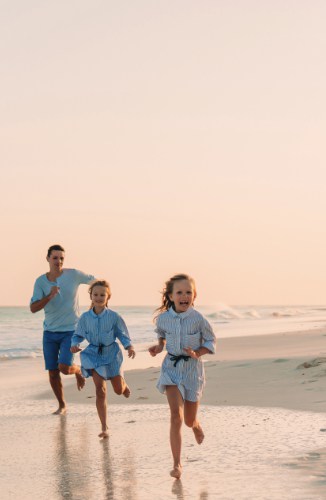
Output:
x,y
54,291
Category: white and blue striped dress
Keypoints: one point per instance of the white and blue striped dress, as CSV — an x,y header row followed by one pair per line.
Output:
x,y
187,329
103,354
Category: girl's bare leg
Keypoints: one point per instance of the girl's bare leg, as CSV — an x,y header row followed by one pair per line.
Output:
x,y
101,403
191,420
176,409
119,386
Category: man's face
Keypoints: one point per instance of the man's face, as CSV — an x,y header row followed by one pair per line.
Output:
x,y
56,260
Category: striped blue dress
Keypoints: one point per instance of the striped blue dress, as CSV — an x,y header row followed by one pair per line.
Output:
x,y
103,353
187,329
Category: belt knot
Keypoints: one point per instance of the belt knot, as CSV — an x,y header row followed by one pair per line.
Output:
x,y
176,359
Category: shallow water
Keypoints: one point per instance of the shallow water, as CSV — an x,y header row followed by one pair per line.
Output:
x,y
248,453
21,331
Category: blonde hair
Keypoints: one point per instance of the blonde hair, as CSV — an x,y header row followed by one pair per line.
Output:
x,y
99,283
168,289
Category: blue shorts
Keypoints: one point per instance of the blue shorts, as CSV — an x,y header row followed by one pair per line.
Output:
x,y
56,349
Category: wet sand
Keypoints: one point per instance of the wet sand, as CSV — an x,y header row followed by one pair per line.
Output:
x,y
262,417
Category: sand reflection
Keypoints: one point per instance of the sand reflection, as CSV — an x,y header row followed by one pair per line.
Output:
x,y
71,475
129,488
107,468
179,492
177,489
313,465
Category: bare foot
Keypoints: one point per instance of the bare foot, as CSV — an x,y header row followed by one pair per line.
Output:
x,y
199,434
126,392
104,434
80,381
62,410
176,471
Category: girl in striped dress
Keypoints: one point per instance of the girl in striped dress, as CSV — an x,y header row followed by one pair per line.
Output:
x,y
187,336
102,358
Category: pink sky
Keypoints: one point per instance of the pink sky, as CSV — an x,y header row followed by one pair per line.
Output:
x,y
150,138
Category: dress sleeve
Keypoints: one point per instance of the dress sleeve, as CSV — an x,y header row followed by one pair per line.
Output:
x,y
208,336
80,333
121,332
159,330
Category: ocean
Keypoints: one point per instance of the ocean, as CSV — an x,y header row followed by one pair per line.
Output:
x,y
21,331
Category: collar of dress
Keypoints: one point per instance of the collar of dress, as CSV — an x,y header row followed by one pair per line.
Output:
x,y
94,315
180,315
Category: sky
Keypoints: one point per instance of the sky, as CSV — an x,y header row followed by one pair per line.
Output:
x,y
156,137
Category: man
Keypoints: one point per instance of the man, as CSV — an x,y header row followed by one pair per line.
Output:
x,y
57,293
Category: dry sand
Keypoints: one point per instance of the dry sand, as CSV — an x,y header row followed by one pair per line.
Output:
x,y
262,414
246,371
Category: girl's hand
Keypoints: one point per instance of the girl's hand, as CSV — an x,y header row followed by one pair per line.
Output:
x,y
190,352
155,349
75,348
131,352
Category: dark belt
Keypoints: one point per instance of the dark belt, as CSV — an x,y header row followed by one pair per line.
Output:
x,y
176,359
100,347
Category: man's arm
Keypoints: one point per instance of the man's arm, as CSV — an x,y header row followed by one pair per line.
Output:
x,y
38,305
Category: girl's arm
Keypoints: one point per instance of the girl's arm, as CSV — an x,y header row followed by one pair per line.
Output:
x,y
121,332
208,342
78,336
208,338
157,348
198,352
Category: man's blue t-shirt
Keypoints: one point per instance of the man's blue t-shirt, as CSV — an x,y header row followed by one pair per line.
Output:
x,y
62,312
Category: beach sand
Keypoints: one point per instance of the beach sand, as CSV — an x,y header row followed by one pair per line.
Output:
x,y
263,412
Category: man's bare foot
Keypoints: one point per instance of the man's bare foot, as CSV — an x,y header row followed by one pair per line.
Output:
x,y
199,434
80,381
126,392
176,471
62,410
104,434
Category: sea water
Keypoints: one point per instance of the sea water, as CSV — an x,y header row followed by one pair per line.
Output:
x,y
21,331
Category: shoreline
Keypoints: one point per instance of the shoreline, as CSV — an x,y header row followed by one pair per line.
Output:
x,y
260,371
262,418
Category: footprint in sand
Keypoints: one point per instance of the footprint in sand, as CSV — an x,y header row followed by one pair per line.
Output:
x,y
140,388
151,379
130,421
142,397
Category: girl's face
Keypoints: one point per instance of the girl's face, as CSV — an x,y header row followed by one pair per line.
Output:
x,y
183,295
99,296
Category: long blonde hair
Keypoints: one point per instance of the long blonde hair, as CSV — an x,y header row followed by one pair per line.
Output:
x,y
99,283
168,289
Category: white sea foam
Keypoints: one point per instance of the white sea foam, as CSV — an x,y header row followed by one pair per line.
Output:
x,y
21,331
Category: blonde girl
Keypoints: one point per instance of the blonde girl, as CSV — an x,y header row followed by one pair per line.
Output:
x,y
102,358
187,336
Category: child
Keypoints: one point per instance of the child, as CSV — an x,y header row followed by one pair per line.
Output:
x,y
102,358
188,336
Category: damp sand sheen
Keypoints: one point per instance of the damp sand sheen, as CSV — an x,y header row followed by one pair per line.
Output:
x,y
263,414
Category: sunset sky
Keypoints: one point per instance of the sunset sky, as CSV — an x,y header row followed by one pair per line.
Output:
x,y
155,137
